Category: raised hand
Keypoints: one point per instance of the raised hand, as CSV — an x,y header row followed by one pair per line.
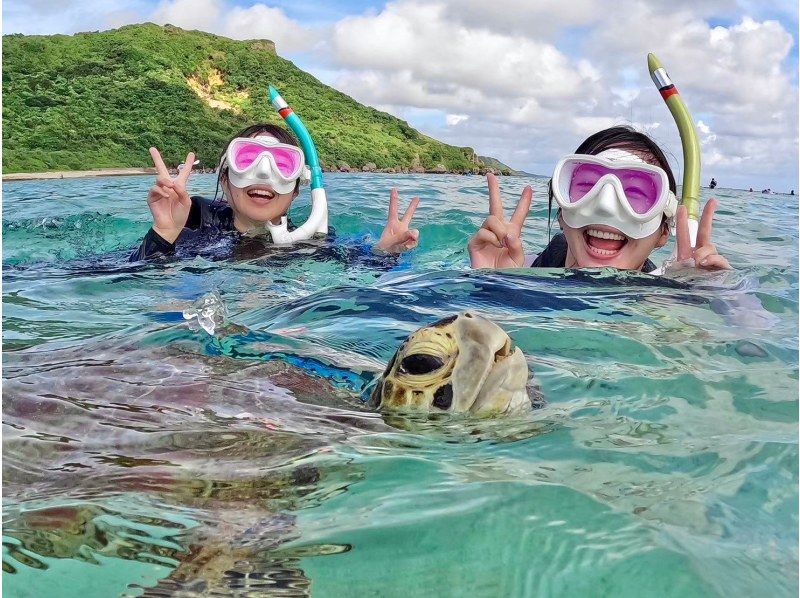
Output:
x,y
168,200
704,253
497,243
396,236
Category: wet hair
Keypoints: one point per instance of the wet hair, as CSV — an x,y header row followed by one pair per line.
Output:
x,y
276,131
625,138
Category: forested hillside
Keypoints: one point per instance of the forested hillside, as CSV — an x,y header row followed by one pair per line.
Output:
x,y
95,100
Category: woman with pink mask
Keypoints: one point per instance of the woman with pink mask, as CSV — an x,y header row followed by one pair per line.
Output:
x,y
260,173
616,205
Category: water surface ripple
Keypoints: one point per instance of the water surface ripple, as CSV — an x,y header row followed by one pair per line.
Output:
x,y
142,457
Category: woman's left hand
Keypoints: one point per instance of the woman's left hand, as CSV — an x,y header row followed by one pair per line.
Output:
x,y
704,253
396,236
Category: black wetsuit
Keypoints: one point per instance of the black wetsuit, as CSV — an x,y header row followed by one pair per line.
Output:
x,y
555,255
210,232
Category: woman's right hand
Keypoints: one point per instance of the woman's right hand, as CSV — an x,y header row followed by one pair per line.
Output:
x,y
168,200
497,243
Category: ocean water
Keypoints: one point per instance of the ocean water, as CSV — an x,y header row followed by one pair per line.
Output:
x,y
144,456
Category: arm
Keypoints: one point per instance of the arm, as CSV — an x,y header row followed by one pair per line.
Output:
x,y
169,205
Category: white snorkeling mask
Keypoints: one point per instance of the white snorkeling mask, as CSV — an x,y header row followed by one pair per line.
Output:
x,y
263,160
615,188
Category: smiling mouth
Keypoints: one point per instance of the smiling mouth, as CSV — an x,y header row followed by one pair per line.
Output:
x,y
261,195
603,244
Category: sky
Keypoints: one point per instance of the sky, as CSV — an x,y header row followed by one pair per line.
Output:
x,y
525,81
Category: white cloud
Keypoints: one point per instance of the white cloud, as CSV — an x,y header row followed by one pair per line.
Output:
x,y
453,119
45,17
493,64
257,21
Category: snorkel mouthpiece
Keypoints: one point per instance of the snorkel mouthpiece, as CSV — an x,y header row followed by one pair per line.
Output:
x,y
690,191
318,219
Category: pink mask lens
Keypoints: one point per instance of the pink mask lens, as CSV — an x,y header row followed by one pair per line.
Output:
x,y
288,161
642,188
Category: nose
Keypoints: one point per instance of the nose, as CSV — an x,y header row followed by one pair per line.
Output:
x,y
264,170
607,201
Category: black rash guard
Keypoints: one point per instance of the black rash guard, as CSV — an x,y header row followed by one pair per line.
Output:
x,y
210,232
555,255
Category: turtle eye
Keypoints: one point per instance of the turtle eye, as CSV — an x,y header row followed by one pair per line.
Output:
x,y
417,364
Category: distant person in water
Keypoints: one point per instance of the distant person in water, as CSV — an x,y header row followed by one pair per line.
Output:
x,y
248,202
792,193
751,189
616,200
713,183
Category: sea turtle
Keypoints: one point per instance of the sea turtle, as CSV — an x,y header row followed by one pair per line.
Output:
x,y
464,363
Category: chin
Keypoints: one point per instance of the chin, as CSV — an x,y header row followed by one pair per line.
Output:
x,y
263,212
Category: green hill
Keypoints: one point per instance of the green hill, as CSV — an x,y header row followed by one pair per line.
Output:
x,y
496,165
99,100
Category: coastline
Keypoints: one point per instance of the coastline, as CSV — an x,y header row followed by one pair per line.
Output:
x,y
76,174
95,172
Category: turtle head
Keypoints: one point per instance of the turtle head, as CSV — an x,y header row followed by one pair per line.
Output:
x,y
463,363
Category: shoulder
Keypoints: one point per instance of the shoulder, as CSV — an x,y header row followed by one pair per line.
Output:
x,y
210,212
554,255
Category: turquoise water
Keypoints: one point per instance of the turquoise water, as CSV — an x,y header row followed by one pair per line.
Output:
x,y
141,457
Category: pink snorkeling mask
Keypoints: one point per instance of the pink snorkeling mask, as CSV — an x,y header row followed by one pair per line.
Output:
x,y
615,188
266,161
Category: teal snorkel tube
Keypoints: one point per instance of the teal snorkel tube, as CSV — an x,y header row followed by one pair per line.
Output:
x,y
318,219
690,192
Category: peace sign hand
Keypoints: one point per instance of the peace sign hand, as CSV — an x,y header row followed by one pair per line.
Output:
x,y
396,236
168,200
497,243
704,253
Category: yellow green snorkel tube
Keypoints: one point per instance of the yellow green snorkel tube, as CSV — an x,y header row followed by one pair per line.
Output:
x,y
690,192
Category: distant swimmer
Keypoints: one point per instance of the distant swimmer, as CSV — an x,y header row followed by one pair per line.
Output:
x,y
751,189
792,193
713,183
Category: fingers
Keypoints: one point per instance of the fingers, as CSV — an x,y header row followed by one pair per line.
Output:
x,y
515,250
702,253
183,175
683,240
412,239
161,168
523,207
706,257
157,193
704,229
715,262
484,237
165,182
495,201
412,207
393,205
496,226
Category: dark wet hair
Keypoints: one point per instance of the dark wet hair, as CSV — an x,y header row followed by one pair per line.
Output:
x,y
276,131
625,138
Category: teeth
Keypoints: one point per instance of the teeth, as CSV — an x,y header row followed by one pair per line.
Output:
x,y
261,193
601,234
603,251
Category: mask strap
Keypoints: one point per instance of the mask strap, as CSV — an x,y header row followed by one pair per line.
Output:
x,y
549,209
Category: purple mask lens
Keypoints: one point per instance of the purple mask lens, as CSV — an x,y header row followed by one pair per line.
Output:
x,y
642,188
288,161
